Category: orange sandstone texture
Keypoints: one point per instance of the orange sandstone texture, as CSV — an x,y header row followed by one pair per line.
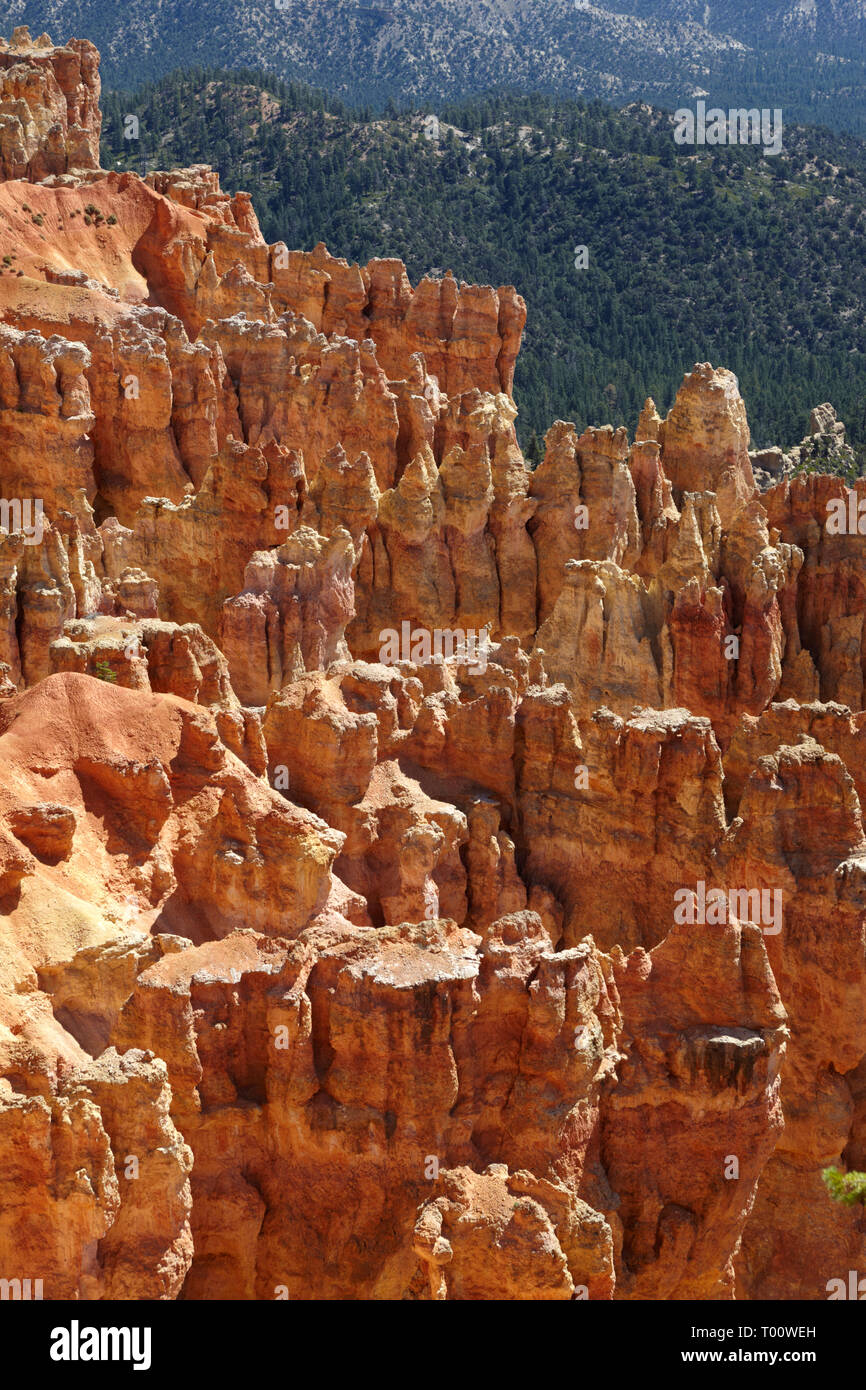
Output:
x,y
49,106
337,966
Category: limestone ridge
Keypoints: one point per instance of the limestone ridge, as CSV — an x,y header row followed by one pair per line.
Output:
x,y
310,936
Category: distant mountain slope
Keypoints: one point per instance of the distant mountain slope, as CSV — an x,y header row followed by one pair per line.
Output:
x,y
833,22
808,56
754,263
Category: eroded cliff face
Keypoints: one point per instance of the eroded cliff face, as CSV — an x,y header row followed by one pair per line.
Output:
x,y
49,106
339,959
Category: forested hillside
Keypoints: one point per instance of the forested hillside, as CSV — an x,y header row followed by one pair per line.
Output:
x,y
719,254
807,56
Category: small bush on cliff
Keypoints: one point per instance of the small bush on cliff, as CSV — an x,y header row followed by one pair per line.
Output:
x,y
104,672
847,1188
823,453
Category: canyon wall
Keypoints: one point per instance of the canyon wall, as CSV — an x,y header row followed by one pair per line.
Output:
x,y
420,877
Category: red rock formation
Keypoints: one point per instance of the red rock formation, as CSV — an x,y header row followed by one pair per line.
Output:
x,y
49,106
419,878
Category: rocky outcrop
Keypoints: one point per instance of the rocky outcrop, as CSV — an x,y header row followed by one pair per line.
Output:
x,y
46,421
420,878
49,106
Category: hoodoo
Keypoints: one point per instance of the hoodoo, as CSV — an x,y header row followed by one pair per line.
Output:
x,y
334,970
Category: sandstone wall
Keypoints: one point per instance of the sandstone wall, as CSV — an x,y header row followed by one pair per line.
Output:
x,y
372,962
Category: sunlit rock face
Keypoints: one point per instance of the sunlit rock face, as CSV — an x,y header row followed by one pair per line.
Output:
x,y
420,877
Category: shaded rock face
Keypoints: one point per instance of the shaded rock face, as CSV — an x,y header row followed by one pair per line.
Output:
x,y
420,878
